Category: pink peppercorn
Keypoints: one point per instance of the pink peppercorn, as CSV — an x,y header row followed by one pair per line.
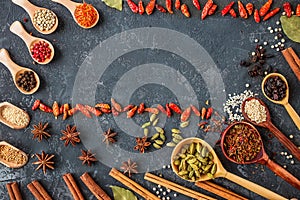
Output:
x,y
40,51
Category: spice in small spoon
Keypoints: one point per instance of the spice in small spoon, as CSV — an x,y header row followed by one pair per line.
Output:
x,y
44,19
40,51
275,88
15,116
255,111
26,81
86,15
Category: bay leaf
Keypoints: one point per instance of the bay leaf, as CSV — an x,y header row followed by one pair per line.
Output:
x,y
122,194
291,27
117,4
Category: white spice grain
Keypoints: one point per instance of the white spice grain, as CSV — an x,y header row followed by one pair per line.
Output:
x,y
272,46
271,31
168,198
154,189
14,116
247,85
175,195
157,192
277,49
276,37
256,40
292,162
283,13
282,40
279,29
265,43
168,190
291,136
169,166
159,186
276,29
255,111
277,22
269,28
253,53
285,153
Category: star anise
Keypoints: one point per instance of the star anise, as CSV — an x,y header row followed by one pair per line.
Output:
x,y
39,131
70,135
129,167
44,161
109,137
87,157
141,144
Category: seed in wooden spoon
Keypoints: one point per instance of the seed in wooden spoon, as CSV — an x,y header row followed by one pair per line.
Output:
x,y
26,81
255,111
44,19
11,155
40,51
14,116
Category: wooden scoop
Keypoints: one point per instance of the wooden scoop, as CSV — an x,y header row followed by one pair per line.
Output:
x,y
71,6
18,29
269,125
221,171
31,9
261,158
15,70
8,123
11,164
285,101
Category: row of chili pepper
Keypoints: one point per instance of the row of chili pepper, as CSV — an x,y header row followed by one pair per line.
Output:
x,y
210,8
115,108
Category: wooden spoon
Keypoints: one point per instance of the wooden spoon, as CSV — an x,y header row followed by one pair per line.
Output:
x,y
8,123
221,171
18,29
12,164
285,101
261,157
16,70
31,9
269,125
71,6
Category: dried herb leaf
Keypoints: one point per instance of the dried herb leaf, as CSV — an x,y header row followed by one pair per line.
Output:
x,y
122,194
291,27
117,4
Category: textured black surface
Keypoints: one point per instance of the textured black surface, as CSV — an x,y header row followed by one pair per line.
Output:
x,y
226,40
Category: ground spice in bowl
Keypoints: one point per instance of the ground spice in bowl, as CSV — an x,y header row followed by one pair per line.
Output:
x,y
15,116
255,111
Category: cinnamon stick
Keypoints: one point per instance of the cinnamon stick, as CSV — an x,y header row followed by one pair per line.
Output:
x,y
218,190
10,192
35,192
93,187
74,189
16,191
132,185
38,191
175,187
293,60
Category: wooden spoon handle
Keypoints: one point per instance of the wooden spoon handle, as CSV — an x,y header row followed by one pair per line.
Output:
x,y
288,177
253,187
18,29
295,117
284,140
70,5
6,60
29,7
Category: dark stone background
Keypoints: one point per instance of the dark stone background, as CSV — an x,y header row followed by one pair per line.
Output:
x,y
227,41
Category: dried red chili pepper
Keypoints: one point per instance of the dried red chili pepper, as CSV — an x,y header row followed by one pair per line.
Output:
x,y
114,112
203,112
36,104
72,111
169,6
256,16
209,112
141,7
242,10
102,105
160,8
134,8
185,10
249,8
150,7
169,113
271,14
177,4
175,108
116,105
227,8
83,110
141,108
93,110
131,112
197,4
45,108
129,107
232,13
105,110
55,108
61,109
185,114
298,10
152,110
206,8
288,9
265,8
65,111
161,109
212,10
195,110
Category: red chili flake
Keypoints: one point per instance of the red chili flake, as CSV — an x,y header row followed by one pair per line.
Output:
x,y
72,111
45,108
36,104
256,16
83,110
25,19
265,8
185,10
116,105
150,7
161,109
185,114
227,8
105,110
249,8
197,4
114,112
209,112
206,8
141,108
152,110
201,124
232,13
160,8
131,112
61,109
141,7
175,108
242,10
271,14
298,10
133,7
169,6
169,113
93,110
213,9
129,107
177,4
288,9
195,110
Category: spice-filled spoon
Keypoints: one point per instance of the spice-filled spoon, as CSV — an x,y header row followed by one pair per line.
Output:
x,y
26,80
40,49
275,88
255,111
220,171
241,143
11,156
44,20
85,15
13,116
